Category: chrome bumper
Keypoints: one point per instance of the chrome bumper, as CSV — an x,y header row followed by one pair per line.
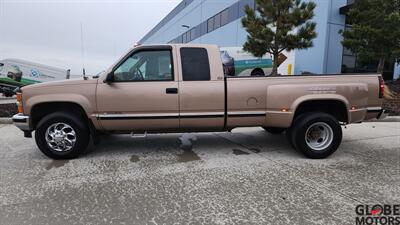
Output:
x,y
22,122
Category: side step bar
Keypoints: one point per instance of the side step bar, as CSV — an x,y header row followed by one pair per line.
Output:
x,y
133,135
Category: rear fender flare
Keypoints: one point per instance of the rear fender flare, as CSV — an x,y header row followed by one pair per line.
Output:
x,y
321,97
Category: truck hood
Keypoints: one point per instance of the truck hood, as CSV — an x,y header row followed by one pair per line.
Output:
x,y
77,81
78,91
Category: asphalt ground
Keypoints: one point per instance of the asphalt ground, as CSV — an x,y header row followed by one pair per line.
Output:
x,y
244,177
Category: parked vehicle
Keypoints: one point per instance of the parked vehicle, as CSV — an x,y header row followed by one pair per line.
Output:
x,y
242,63
182,88
17,73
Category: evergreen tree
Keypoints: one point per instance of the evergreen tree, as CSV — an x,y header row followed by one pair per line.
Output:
x,y
375,31
279,25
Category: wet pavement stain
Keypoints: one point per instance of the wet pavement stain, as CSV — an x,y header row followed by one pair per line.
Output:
x,y
239,152
187,147
134,158
56,164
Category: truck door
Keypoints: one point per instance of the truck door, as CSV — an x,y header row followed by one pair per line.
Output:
x,y
201,93
143,95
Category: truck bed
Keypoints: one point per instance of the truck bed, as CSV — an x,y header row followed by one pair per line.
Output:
x,y
279,96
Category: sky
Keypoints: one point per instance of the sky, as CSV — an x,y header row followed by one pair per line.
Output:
x,y
49,31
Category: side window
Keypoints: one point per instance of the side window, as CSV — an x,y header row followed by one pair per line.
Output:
x,y
146,66
195,65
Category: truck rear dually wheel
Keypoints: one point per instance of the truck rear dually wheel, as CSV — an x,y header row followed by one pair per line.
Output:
x,y
61,135
316,135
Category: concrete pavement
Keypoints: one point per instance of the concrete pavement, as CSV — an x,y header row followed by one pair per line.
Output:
x,y
243,177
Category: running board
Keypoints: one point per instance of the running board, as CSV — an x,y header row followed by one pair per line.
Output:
x,y
133,135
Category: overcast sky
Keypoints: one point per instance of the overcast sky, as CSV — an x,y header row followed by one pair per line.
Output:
x,y
49,31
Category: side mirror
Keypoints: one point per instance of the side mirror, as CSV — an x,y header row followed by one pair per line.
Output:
x,y
109,78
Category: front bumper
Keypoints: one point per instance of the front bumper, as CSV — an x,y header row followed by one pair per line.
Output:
x,y
22,122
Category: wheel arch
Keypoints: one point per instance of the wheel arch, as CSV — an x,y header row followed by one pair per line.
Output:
x,y
42,109
335,106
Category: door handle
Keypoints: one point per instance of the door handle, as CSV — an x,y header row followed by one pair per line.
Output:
x,y
171,90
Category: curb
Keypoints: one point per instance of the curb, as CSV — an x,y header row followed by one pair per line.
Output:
x,y
5,120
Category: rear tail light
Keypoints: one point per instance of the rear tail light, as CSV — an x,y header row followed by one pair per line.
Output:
x,y
19,103
381,87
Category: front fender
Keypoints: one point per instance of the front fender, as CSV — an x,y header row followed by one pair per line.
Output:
x,y
48,98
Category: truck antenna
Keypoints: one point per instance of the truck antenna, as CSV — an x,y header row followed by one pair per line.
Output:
x,y
83,54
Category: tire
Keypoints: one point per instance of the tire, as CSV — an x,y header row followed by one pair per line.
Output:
x,y
258,72
274,130
64,123
316,135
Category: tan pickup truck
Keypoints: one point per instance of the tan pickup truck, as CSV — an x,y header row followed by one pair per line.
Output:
x,y
182,88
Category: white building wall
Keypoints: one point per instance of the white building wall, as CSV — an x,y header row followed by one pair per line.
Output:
x,y
324,57
334,53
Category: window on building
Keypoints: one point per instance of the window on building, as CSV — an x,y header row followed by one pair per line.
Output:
x,y
184,40
146,66
193,34
349,59
233,12
203,28
351,63
188,39
195,65
224,17
243,4
217,21
348,64
210,25
347,51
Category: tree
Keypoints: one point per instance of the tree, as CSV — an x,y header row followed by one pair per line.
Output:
x,y
375,31
279,25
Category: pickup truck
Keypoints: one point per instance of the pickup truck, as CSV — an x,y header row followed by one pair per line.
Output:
x,y
182,88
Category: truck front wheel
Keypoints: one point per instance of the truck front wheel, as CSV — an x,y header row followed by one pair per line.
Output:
x,y
316,135
62,135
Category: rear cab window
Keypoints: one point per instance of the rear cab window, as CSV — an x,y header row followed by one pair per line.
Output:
x,y
195,64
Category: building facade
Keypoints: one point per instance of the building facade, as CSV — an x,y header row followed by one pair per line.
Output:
x,y
219,22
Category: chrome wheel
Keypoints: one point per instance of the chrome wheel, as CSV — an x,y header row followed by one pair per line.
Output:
x,y
319,136
60,137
